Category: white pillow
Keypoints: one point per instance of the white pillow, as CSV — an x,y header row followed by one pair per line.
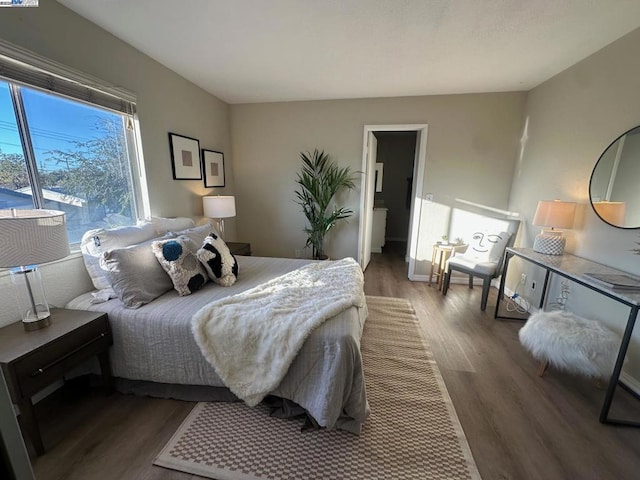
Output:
x,y
487,246
163,225
95,242
196,235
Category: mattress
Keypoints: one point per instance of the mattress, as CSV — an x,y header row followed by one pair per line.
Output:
x,y
154,343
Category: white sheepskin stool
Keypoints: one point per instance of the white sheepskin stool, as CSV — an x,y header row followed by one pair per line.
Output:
x,y
570,343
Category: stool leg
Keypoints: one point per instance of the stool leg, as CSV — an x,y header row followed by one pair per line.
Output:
x,y
433,261
542,368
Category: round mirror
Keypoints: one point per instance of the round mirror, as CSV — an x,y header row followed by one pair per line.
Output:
x,y
613,189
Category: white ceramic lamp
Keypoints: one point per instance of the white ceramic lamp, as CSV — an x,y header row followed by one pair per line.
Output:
x,y
219,207
30,237
553,214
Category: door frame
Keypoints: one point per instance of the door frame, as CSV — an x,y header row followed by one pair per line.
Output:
x,y
418,188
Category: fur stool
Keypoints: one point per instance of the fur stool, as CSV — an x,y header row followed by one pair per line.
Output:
x,y
570,343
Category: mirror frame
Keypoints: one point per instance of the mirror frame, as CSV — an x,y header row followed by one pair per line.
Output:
x,y
591,181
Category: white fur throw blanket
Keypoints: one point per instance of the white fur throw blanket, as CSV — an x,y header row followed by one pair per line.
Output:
x,y
251,338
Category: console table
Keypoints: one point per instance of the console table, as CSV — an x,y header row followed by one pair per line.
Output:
x,y
573,268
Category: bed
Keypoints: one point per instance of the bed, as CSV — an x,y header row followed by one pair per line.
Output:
x,y
155,343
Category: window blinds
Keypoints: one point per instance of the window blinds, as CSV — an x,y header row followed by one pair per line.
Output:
x,y
21,66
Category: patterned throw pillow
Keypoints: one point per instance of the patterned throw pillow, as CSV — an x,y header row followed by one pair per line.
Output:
x,y
187,274
219,262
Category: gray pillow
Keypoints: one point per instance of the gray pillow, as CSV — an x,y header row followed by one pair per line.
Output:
x,y
135,274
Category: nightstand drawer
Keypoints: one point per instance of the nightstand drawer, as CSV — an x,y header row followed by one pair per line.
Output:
x,y
49,363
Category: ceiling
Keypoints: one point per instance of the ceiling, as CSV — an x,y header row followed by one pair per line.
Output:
x,y
246,51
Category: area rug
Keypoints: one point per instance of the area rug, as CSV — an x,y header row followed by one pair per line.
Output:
x,y
413,431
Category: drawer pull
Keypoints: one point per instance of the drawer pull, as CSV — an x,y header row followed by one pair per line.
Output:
x,y
41,370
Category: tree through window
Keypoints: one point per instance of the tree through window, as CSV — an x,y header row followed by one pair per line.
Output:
x,y
81,162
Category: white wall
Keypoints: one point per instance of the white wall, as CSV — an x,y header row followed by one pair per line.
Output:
x,y
166,103
571,119
472,142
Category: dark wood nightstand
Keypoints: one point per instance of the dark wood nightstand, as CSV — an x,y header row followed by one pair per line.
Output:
x,y
239,248
32,361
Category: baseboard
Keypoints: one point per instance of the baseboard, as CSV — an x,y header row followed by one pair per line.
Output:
x,y
419,278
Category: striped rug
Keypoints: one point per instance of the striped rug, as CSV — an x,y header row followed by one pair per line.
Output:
x,y
413,431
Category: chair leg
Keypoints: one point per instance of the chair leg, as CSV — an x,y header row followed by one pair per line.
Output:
x,y
486,284
470,281
445,281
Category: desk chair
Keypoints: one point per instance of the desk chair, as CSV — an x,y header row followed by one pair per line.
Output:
x,y
483,259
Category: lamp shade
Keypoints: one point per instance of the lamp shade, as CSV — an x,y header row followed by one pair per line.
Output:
x,y
32,237
555,214
611,212
219,206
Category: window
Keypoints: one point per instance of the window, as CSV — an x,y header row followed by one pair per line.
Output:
x,y
67,155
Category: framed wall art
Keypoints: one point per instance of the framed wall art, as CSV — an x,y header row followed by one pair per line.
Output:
x,y
185,157
213,168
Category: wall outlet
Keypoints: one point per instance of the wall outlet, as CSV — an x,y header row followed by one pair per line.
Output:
x,y
297,252
523,279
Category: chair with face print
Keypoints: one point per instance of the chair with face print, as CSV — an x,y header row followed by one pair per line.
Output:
x,y
483,258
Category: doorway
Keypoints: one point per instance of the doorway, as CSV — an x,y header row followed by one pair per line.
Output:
x,y
412,188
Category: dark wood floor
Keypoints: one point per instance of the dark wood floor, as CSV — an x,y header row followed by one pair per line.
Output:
x,y
519,426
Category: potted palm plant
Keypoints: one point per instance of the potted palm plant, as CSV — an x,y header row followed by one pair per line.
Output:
x,y
320,180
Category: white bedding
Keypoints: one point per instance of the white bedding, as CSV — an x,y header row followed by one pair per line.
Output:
x,y
252,338
155,343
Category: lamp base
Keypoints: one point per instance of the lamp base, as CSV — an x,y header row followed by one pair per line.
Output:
x,y
31,325
32,304
549,242
221,227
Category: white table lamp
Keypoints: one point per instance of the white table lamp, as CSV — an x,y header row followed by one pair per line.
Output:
x,y
554,214
30,237
219,207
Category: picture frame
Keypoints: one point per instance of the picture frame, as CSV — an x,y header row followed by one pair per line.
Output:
x,y
185,157
213,168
